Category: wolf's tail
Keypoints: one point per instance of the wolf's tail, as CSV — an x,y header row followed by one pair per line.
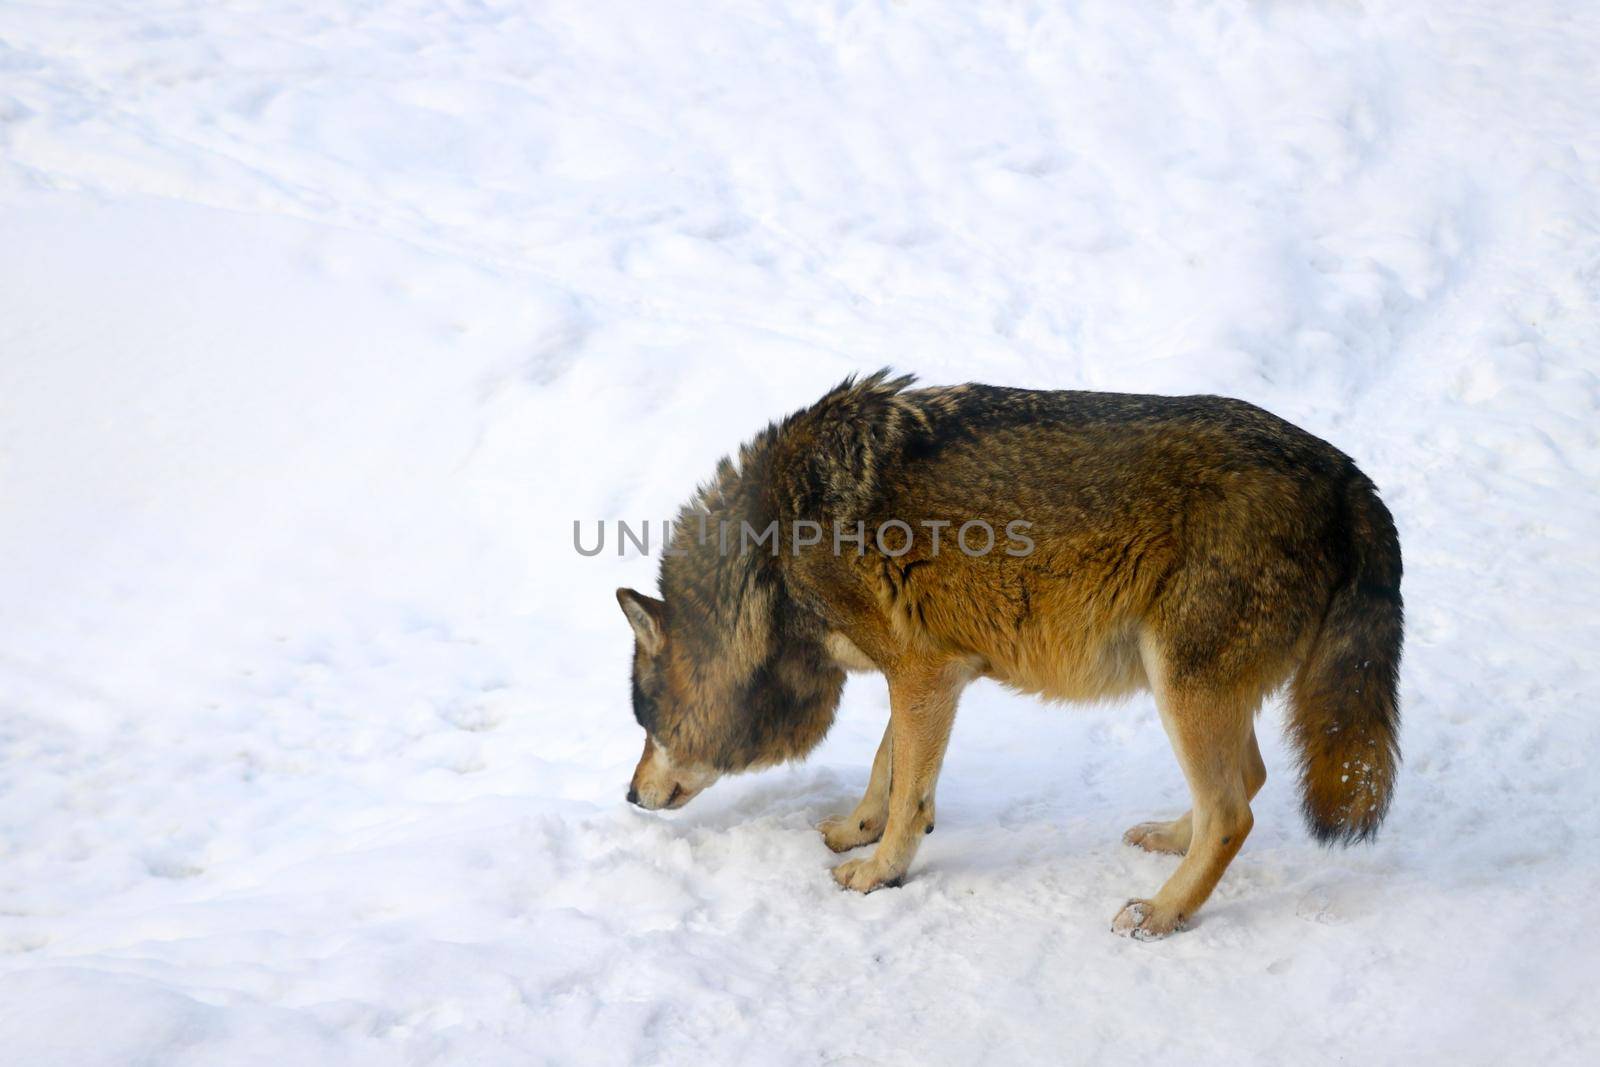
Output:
x,y
1344,710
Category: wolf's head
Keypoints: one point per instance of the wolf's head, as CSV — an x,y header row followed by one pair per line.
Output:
x,y
721,696
662,701
730,672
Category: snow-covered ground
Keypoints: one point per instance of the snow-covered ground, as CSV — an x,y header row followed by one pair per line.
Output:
x,y
320,322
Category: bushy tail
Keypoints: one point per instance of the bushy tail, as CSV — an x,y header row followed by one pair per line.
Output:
x,y
1344,709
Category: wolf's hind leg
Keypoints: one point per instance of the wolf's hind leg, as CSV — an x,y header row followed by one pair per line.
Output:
x,y
1209,732
1255,768
865,824
1161,836
1174,836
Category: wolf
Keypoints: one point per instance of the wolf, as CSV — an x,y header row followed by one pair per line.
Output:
x,y
1196,547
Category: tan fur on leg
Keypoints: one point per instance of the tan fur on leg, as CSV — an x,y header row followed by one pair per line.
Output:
x,y
922,701
1173,837
865,824
1212,734
1170,837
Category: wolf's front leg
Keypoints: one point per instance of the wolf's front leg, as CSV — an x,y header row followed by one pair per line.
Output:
x,y
922,706
865,824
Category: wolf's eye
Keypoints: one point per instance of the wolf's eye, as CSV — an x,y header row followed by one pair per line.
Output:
x,y
644,706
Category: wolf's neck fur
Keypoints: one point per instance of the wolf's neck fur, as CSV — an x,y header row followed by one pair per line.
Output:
x,y
825,463
749,639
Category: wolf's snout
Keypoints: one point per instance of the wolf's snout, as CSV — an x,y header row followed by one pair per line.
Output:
x,y
665,798
660,784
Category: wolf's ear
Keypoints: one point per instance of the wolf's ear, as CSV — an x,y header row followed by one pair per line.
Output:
x,y
644,613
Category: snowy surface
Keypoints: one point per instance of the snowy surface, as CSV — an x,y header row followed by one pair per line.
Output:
x,y
320,322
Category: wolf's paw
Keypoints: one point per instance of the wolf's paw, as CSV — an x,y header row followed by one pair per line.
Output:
x,y
1142,921
865,875
845,832
1170,837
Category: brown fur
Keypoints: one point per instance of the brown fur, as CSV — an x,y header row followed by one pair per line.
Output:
x,y
1197,547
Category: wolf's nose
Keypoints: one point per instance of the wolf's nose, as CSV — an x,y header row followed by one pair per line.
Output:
x,y
633,796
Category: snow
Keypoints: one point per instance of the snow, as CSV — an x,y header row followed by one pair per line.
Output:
x,y
320,323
